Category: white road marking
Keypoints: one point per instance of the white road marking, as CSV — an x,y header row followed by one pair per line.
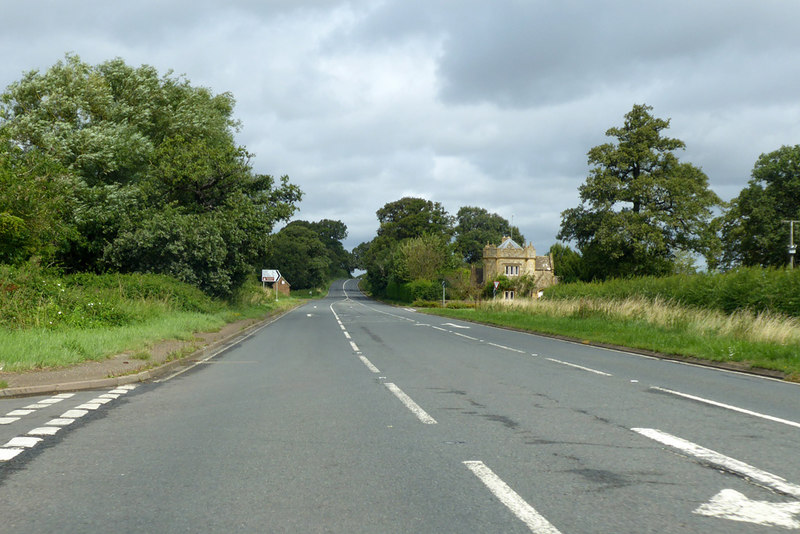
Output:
x,y
595,371
54,400
22,441
74,414
723,462
44,431
347,335
35,406
728,407
519,507
7,454
120,390
19,412
464,335
439,328
730,504
455,325
101,400
110,396
355,347
60,422
8,420
505,348
415,408
88,406
368,364
63,396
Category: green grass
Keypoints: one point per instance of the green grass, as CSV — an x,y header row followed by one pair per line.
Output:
x,y
752,341
49,321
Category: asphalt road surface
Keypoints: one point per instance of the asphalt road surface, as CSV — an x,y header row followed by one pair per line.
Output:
x,y
346,415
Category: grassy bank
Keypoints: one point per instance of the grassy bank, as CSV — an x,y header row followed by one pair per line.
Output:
x,y
765,340
48,320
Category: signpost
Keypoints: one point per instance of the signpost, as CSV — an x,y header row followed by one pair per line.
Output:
x,y
494,291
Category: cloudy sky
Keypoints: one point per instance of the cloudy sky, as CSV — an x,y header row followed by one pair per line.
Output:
x,y
465,102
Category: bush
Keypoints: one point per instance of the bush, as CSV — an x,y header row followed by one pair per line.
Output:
x,y
752,288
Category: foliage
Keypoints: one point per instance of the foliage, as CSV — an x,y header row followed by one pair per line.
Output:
x,y
420,258
301,257
754,228
476,227
639,204
31,296
752,288
413,217
134,172
331,233
567,264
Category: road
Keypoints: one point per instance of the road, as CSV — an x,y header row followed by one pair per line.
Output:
x,y
346,415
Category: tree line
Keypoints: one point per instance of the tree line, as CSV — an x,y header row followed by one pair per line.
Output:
x,y
116,168
642,212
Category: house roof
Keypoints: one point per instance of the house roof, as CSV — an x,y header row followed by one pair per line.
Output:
x,y
509,243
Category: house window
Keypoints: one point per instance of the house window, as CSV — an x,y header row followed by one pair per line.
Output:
x,y
512,270
508,295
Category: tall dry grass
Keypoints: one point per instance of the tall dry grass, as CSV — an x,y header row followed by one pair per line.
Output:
x,y
745,325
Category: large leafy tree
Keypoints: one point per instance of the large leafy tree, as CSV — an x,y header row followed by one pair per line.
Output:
x,y
300,255
413,217
476,227
639,204
151,161
331,233
753,229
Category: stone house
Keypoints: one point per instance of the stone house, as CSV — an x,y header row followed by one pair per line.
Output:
x,y
514,261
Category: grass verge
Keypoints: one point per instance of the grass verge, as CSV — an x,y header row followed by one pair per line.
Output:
x,y
750,341
52,321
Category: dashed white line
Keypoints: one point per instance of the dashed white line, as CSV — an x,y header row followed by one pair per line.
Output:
x,y
728,407
519,507
60,422
368,364
464,335
415,408
439,328
720,461
44,431
506,348
19,412
576,366
7,454
355,347
74,414
347,335
8,420
22,441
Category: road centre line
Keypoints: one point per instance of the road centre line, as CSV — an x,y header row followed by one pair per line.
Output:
x,y
720,461
464,335
505,348
355,347
347,334
526,513
368,364
727,406
415,408
576,366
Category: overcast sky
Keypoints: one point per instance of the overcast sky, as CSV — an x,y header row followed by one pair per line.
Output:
x,y
490,103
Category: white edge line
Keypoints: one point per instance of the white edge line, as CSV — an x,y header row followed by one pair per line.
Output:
x,y
368,364
511,499
576,366
415,408
721,461
728,407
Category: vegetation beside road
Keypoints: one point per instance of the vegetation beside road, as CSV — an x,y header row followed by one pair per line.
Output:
x,y
52,320
747,339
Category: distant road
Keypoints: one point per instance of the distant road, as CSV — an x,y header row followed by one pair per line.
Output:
x,y
346,415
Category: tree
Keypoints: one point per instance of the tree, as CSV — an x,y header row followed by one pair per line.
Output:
x,y
413,217
147,163
567,264
420,258
753,229
476,227
300,256
639,204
